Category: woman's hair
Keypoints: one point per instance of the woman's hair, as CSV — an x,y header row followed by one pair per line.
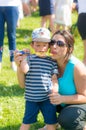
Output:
x,y
69,40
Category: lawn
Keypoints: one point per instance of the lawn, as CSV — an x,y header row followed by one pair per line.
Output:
x,y
11,95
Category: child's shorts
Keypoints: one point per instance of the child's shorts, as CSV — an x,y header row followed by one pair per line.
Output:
x,y
32,109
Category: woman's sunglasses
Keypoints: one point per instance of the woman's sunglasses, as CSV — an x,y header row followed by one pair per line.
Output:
x,y
59,43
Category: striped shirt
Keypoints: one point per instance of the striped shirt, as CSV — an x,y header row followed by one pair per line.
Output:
x,y
38,78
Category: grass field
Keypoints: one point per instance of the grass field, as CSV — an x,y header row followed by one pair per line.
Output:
x,y
11,95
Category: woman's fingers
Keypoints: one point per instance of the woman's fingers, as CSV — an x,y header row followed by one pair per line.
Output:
x,y
55,98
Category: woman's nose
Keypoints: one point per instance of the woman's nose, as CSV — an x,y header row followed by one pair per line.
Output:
x,y
55,45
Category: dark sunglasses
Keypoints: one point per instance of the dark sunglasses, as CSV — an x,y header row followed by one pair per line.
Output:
x,y
59,43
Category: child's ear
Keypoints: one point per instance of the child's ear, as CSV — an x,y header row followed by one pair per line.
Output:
x,y
32,44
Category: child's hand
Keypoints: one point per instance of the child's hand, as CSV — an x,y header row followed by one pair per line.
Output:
x,y
24,52
17,57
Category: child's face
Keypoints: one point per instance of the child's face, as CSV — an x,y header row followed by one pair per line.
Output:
x,y
40,47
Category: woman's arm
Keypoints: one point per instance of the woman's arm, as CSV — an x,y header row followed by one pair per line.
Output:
x,y
80,82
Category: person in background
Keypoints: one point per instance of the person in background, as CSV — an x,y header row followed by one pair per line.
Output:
x,y
34,4
26,7
63,10
9,15
46,10
75,5
81,24
71,97
38,74
21,15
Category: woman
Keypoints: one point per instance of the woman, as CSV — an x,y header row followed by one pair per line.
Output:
x,y
71,100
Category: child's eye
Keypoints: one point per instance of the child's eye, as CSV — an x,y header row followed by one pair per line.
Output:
x,y
38,45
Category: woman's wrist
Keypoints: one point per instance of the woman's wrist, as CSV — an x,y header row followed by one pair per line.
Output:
x,y
63,99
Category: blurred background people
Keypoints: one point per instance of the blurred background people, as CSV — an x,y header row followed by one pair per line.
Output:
x,y
9,15
34,4
26,7
21,15
75,5
63,10
81,24
46,10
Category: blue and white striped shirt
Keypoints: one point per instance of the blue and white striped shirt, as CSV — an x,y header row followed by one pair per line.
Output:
x,y
38,78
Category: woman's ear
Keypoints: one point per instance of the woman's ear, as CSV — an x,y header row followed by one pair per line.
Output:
x,y
70,50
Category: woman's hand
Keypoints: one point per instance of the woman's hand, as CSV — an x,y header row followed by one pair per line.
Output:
x,y
55,98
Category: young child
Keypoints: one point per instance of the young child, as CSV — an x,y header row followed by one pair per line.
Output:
x,y
39,71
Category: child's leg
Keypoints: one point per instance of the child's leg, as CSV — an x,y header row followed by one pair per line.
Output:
x,y
48,127
51,127
25,127
30,115
49,113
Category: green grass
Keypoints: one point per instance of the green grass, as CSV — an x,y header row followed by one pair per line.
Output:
x,y
11,95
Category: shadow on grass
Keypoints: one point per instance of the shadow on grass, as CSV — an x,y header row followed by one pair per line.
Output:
x,y
23,36
14,127
35,14
13,90
22,32
34,126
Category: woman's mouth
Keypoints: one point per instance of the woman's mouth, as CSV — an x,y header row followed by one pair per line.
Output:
x,y
53,52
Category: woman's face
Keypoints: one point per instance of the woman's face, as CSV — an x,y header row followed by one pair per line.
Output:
x,y
58,47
